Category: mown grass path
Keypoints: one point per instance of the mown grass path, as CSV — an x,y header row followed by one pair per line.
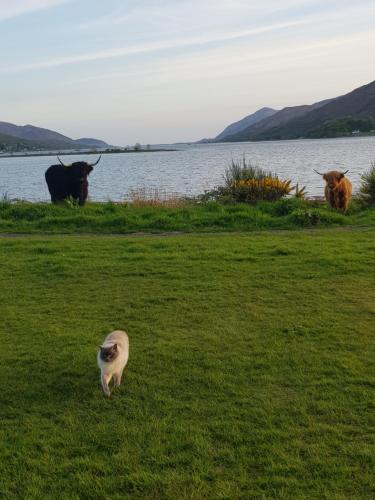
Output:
x,y
251,369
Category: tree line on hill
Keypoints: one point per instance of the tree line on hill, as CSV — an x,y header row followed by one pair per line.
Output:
x,y
344,127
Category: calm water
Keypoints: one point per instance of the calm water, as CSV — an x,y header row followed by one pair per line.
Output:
x,y
193,169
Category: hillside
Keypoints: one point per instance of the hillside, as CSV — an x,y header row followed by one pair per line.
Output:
x,y
274,122
246,122
360,103
31,137
9,143
303,121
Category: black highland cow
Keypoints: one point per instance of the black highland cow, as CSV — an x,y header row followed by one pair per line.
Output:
x,y
66,181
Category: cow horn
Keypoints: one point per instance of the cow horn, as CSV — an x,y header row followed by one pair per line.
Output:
x,y
63,163
345,172
98,160
317,172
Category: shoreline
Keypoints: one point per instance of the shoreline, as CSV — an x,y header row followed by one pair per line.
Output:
x,y
78,153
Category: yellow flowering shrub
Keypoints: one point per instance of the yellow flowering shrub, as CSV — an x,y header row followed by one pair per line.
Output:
x,y
267,188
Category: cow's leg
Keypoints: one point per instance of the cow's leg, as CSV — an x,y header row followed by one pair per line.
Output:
x,y
344,204
341,201
331,199
84,191
337,201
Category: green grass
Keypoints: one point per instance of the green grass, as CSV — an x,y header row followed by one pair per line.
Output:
x,y
251,371
192,217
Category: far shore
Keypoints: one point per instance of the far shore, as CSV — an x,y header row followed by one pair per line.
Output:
x,y
76,153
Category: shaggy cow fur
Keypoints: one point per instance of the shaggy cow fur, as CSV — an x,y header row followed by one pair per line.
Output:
x,y
66,181
338,190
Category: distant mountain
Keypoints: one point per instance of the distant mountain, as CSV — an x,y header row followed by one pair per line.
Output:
x,y
42,138
48,138
9,143
274,122
360,103
303,121
246,122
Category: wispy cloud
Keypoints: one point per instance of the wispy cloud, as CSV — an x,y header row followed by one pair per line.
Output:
x,y
177,12
14,8
175,42
152,47
213,64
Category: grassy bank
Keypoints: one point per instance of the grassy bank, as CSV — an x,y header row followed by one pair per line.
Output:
x,y
251,372
190,217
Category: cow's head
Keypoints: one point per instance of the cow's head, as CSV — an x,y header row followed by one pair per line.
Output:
x,y
80,169
332,178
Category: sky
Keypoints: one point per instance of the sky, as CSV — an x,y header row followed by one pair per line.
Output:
x,y
164,71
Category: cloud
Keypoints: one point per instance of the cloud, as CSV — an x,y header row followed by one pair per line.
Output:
x,y
221,63
152,47
172,14
181,41
14,8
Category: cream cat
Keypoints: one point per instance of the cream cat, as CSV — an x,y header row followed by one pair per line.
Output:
x,y
112,358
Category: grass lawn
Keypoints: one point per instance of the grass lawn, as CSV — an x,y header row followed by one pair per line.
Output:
x,y
24,217
251,371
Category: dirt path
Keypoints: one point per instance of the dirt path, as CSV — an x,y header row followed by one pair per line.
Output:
x,y
183,233
95,235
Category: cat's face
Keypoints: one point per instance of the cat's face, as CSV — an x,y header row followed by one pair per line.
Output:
x,y
108,354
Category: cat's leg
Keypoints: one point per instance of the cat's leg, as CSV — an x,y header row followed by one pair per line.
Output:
x,y
117,378
105,379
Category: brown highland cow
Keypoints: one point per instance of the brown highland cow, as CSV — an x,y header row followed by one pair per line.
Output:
x,y
338,190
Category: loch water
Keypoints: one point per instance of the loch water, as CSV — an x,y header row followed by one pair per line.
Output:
x,y
192,169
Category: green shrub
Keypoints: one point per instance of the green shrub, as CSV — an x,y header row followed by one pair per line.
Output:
x,y
109,207
305,217
367,189
242,170
300,192
245,183
309,217
71,203
287,206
